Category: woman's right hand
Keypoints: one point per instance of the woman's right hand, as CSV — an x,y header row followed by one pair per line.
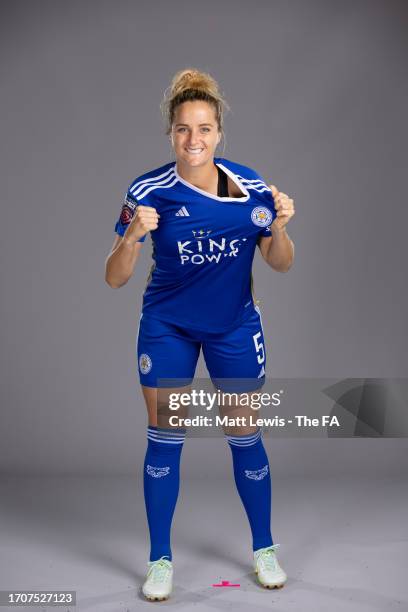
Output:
x,y
145,219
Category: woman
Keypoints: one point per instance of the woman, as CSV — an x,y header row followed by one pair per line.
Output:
x,y
206,215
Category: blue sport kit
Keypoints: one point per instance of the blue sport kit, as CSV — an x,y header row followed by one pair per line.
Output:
x,y
199,291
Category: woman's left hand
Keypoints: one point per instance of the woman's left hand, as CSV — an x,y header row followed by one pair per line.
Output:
x,y
284,207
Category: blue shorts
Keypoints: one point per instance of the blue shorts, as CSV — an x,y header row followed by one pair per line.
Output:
x,y
166,351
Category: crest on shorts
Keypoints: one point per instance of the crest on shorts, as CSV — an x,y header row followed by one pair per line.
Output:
x,y
145,363
257,474
157,472
261,216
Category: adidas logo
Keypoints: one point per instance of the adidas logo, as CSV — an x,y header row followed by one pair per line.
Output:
x,y
183,212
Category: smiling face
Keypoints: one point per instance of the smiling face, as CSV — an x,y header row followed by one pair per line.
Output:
x,y
194,133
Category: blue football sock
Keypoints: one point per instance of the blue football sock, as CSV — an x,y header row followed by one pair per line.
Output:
x,y
253,480
161,481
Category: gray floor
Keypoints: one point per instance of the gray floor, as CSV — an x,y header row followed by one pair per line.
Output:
x,y
344,543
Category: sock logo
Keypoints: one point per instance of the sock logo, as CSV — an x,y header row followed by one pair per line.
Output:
x,y
157,472
257,474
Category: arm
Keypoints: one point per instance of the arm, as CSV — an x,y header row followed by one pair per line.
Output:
x,y
132,228
277,250
121,261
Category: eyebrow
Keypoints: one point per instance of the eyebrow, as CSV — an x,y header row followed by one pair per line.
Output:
x,y
177,124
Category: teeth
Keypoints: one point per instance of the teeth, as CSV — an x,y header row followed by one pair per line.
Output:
x,y
195,151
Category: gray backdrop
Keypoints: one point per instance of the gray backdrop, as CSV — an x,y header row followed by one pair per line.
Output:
x,y
318,94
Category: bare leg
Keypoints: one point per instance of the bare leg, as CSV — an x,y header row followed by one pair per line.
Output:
x,y
158,407
238,410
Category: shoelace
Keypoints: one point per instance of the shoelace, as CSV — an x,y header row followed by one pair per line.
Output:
x,y
159,569
267,556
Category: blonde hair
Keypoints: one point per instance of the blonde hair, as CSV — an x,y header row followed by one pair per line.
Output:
x,y
188,85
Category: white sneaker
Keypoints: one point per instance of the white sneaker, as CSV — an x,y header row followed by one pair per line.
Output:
x,y
270,574
159,580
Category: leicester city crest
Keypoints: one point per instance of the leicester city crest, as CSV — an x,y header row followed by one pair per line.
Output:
x,y
145,363
261,216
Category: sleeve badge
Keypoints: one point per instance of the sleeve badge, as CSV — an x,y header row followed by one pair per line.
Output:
x,y
127,212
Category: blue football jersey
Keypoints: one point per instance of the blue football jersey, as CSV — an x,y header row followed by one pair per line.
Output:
x,y
203,247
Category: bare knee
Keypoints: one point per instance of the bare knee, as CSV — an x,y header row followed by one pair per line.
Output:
x,y
240,430
157,405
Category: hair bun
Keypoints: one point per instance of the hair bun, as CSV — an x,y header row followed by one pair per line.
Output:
x,y
191,78
188,79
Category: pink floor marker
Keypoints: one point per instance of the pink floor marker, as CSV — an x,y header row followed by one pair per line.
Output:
x,y
226,583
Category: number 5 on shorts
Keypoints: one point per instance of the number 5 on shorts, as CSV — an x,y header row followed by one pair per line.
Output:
x,y
259,347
